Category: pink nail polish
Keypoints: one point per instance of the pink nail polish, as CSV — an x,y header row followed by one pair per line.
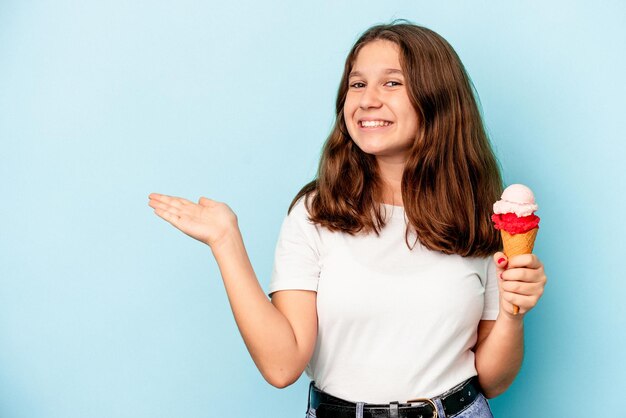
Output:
x,y
500,260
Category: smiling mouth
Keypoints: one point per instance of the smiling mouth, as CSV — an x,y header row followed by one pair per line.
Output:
x,y
374,124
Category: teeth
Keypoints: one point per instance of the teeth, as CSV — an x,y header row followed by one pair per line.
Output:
x,y
374,123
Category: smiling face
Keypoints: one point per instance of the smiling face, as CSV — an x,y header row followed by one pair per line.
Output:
x,y
378,113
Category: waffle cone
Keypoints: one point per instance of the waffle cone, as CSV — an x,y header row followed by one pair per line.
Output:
x,y
519,243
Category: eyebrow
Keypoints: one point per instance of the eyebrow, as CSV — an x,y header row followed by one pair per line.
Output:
x,y
387,71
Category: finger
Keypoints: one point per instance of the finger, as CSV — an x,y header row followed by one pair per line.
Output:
x,y
168,216
165,207
530,261
522,274
512,309
170,200
525,303
522,288
500,259
185,201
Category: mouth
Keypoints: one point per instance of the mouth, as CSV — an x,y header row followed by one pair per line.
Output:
x,y
369,125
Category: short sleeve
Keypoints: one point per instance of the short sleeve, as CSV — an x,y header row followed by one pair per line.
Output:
x,y
297,255
492,296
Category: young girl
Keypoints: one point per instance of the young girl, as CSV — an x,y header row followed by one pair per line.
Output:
x,y
388,284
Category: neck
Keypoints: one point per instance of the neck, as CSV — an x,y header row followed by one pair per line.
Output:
x,y
391,174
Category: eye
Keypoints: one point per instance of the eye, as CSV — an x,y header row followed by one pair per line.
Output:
x,y
356,85
397,83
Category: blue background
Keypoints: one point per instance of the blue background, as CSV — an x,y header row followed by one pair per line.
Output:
x,y
108,311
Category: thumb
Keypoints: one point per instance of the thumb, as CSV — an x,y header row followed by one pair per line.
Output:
x,y
501,260
203,201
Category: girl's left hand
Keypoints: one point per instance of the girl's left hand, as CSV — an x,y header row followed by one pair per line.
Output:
x,y
521,282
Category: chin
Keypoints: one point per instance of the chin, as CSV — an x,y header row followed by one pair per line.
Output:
x,y
371,147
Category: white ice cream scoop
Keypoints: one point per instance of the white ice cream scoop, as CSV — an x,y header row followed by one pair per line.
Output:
x,y
517,199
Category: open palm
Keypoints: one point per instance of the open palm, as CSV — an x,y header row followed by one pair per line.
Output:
x,y
208,221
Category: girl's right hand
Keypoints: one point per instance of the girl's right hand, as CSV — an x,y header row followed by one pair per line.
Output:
x,y
208,221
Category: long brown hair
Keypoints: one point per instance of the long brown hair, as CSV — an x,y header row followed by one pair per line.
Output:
x,y
451,177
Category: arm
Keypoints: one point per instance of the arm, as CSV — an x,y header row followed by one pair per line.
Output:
x,y
280,335
500,346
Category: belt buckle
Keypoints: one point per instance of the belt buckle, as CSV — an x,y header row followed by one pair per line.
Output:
x,y
426,400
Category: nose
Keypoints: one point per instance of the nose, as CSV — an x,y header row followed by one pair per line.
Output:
x,y
369,98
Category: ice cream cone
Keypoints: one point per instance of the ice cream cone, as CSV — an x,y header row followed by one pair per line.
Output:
x,y
519,243
514,215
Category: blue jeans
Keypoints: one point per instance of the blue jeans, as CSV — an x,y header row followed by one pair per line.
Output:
x,y
477,409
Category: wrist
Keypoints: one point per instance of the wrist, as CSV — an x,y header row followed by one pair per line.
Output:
x,y
510,319
227,239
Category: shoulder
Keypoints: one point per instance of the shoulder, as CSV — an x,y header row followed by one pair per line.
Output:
x,y
299,210
298,218
300,206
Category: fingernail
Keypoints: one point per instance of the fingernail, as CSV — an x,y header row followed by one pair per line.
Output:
x,y
500,260
500,276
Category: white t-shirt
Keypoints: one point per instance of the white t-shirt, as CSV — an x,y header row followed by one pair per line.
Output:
x,y
393,324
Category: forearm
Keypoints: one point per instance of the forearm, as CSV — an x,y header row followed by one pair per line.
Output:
x,y
265,330
499,356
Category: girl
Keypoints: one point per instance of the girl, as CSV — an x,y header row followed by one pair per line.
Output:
x,y
389,287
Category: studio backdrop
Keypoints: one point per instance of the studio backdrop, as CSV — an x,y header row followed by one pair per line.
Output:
x,y
107,311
